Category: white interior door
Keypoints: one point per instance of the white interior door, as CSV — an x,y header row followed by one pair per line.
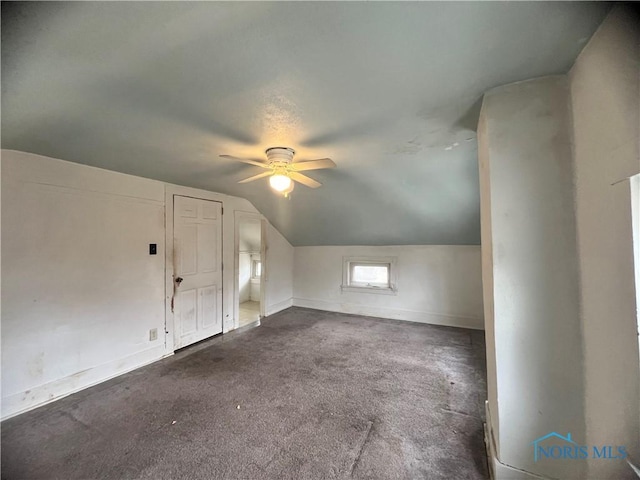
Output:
x,y
197,240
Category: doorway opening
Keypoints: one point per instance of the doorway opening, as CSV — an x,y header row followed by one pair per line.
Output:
x,y
250,264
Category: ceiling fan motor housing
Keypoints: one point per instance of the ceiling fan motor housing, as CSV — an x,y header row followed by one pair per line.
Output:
x,y
280,156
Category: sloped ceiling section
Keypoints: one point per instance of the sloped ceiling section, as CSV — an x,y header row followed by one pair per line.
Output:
x,y
389,91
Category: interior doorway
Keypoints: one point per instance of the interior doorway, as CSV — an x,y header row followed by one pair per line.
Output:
x,y
250,269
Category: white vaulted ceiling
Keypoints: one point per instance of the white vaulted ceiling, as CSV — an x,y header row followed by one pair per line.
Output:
x,y
389,91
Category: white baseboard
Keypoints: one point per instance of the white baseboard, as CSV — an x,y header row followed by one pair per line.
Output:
x,y
393,313
497,469
35,397
278,307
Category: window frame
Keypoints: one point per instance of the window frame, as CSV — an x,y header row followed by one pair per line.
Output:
x,y
254,267
348,264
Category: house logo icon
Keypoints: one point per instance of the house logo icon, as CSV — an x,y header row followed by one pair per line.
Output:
x,y
568,441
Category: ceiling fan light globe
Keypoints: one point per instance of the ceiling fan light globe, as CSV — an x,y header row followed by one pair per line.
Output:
x,y
286,192
280,183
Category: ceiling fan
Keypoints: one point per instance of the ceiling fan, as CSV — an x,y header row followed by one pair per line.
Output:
x,y
282,170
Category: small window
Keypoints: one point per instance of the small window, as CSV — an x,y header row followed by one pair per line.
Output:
x,y
369,274
256,269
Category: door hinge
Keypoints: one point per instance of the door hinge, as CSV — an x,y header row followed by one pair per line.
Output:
x,y
222,210
222,267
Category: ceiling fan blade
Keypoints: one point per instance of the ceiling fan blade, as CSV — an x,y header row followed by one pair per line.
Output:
x,y
251,161
304,180
255,177
312,164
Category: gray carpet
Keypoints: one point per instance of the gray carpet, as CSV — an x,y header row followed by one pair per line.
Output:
x,y
321,395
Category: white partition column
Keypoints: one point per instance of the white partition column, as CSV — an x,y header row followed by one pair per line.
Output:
x,y
531,275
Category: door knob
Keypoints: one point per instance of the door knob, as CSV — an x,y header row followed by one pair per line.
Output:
x,y
179,280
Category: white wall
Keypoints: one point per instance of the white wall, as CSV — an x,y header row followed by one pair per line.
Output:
x,y
492,411
550,360
436,284
605,93
532,318
279,272
84,291
81,291
244,276
254,283
635,213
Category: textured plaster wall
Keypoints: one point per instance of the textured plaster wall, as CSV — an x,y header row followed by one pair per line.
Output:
x,y
80,290
439,284
530,253
605,94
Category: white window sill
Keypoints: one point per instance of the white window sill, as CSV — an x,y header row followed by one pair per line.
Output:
x,y
376,290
